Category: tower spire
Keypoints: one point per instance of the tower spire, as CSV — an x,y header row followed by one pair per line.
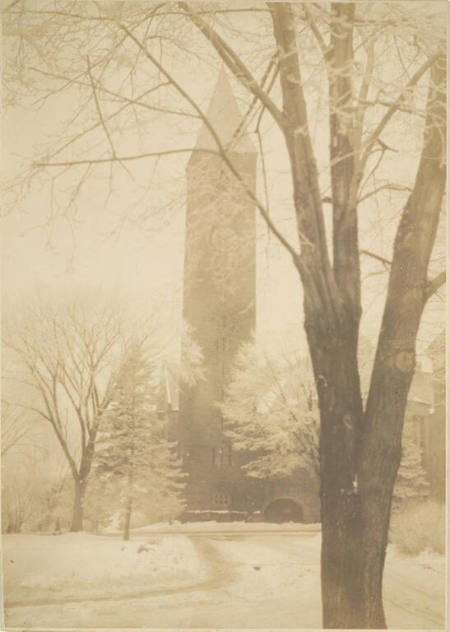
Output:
x,y
224,116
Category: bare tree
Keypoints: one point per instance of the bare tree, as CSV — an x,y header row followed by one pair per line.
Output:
x,y
65,358
374,59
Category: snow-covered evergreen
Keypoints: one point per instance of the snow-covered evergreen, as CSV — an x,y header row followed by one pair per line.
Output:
x,y
136,467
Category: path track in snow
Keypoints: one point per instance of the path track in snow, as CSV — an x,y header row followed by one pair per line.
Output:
x,y
244,587
219,573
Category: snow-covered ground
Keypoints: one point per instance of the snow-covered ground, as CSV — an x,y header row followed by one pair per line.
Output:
x,y
79,565
414,590
241,578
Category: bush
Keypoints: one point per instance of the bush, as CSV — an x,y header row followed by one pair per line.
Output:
x,y
417,527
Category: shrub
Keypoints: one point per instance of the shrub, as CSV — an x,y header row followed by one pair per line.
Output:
x,y
417,527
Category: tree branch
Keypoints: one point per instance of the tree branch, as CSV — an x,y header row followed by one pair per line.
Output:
x,y
379,258
315,31
395,106
98,161
99,111
221,149
234,63
433,285
389,187
28,407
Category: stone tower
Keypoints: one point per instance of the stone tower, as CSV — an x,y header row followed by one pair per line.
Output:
x,y
218,297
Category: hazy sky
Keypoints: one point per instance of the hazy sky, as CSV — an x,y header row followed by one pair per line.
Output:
x,y
129,231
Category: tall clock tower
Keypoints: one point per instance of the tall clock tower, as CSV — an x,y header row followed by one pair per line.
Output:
x,y
218,297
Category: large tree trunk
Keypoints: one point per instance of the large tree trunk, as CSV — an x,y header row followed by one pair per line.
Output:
x,y
80,482
394,364
334,357
78,506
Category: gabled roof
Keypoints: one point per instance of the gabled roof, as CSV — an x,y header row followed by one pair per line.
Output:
x,y
224,115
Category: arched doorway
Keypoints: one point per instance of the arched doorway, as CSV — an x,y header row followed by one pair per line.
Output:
x,y
283,510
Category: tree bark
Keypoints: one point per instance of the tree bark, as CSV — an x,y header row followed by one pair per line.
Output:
x,y
127,519
80,482
394,365
334,358
78,506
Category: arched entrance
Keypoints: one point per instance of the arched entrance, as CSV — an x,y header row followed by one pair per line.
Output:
x,y
283,510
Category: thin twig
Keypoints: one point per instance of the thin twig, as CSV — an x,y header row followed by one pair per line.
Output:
x,y
99,111
383,260
395,106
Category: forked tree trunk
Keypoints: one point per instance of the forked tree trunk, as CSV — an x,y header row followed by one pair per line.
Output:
x,y
360,454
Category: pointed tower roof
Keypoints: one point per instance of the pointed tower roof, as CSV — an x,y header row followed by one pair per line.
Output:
x,y
225,117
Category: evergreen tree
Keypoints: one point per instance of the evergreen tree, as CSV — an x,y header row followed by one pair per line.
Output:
x,y
136,465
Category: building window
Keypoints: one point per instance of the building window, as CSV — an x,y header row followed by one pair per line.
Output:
x,y
221,499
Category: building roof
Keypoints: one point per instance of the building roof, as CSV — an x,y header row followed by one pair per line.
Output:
x,y
226,119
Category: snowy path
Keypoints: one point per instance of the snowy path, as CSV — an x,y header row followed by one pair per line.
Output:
x,y
414,595
240,580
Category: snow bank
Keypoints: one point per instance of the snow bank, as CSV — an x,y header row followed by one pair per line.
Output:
x,y
77,565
